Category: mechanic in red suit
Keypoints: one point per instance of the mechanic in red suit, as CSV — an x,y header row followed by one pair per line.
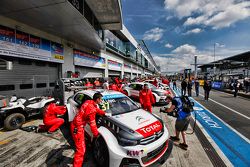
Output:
x,y
50,120
155,83
114,87
86,114
146,98
89,85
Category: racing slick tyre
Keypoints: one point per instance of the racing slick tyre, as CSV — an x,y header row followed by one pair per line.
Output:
x,y
14,121
101,152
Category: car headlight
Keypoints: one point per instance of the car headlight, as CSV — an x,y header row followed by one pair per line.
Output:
x,y
126,142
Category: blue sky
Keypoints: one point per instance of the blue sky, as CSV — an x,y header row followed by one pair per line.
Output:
x,y
176,30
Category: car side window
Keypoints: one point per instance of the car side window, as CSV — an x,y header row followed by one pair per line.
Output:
x,y
138,87
80,98
133,86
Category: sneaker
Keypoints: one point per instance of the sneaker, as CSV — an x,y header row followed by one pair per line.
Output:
x,y
183,146
50,132
174,138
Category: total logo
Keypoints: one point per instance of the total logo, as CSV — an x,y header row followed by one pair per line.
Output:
x,y
150,129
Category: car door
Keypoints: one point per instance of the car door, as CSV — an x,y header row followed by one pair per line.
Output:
x,y
75,104
133,90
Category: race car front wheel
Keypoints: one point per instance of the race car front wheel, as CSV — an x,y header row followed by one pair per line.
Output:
x,y
101,153
14,121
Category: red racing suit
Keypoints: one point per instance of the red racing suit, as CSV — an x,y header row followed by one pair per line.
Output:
x,y
114,87
50,120
155,83
86,115
146,99
89,85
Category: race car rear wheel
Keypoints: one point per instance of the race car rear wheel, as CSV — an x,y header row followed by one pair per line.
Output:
x,y
101,153
14,121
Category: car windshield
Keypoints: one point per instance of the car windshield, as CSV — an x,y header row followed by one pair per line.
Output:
x,y
151,86
118,106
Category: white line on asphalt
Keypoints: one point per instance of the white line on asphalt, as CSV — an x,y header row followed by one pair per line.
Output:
x,y
227,107
229,126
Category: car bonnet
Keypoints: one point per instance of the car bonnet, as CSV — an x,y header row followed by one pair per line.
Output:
x,y
140,121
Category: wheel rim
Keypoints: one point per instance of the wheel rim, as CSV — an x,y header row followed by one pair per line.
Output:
x,y
15,122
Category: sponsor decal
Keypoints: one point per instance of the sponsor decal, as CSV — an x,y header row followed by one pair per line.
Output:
x,y
134,153
150,129
141,120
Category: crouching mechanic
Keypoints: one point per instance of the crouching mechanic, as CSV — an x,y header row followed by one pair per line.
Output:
x,y
50,119
86,114
182,121
146,98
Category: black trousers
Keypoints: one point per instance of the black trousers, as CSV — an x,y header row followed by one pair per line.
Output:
x,y
206,94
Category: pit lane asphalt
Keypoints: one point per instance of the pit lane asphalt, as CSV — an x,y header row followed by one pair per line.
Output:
x,y
241,105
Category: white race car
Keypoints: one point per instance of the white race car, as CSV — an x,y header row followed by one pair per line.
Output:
x,y
13,116
133,90
130,136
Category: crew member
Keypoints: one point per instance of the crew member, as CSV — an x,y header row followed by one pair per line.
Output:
x,y
88,85
97,83
86,114
106,84
183,87
207,87
114,87
155,83
50,120
146,98
189,88
182,121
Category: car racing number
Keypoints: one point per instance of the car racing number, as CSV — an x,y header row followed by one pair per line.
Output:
x,y
104,105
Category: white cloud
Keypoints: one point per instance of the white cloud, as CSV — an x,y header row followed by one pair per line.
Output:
x,y
193,31
154,34
176,62
185,50
215,13
168,45
169,17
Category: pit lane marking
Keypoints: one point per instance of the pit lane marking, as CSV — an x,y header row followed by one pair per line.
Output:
x,y
236,112
4,142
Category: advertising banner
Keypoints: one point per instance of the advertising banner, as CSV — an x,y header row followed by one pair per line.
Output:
x,y
57,51
35,44
7,38
216,85
127,67
20,44
114,65
89,60
134,69
45,50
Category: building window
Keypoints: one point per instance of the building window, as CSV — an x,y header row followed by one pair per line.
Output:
x,y
41,85
7,87
26,86
52,84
